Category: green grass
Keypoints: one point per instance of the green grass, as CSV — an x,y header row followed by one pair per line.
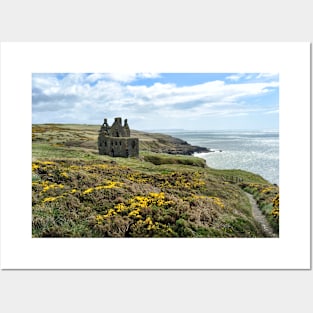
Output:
x,y
42,151
79,193
160,159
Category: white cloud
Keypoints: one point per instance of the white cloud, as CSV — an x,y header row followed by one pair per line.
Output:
x,y
81,98
95,76
267,75
235,77
253,76
275,111
148,75
129,77
122,77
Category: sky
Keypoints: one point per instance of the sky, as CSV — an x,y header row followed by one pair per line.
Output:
x,y
157,101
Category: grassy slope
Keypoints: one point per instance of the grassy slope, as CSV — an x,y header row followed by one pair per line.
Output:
x,y
78,193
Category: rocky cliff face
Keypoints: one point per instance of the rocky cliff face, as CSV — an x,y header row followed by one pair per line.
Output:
x,y
162,143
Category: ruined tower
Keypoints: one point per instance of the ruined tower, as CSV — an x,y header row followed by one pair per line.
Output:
x,y
115,140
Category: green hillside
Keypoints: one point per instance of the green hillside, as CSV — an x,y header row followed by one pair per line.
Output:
x,y
79,193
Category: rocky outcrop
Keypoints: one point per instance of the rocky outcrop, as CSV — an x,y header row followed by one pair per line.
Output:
x,y
162,143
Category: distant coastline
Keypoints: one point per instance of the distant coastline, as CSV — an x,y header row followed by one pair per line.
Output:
x,y
197,143
250,150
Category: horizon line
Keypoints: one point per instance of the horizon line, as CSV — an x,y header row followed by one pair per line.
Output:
x,y
172,129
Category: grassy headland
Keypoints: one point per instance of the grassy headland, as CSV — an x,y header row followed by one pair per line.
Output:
x,y
79,193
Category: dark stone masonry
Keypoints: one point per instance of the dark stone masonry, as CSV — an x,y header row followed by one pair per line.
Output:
x,y
115,140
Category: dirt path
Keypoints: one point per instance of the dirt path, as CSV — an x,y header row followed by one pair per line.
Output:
x,y
259,217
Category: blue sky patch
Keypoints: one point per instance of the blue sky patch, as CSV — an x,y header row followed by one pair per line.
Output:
x,y
151,101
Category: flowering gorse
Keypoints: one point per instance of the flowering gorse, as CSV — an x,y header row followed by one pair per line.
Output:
x,y
275,211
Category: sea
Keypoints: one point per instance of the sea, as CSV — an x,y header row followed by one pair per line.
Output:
x,y
254,151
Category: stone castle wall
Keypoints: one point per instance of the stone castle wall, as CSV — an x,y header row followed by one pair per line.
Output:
x,y
115,141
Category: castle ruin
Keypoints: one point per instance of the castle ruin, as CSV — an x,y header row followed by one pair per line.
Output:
x,y
115,140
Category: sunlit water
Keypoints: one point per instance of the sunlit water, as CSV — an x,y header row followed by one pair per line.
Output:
x,y
254,151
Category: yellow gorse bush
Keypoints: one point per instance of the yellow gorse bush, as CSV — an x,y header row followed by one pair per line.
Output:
x,y
173,180
217,201
64,174
137,177
51,199
52,172
89,190
275,211
267,190
47,163
135,204
110,185
111,200
47,185
120,207
34,166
